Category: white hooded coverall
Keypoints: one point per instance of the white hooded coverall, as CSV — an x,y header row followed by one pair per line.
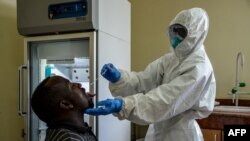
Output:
x,y
175,89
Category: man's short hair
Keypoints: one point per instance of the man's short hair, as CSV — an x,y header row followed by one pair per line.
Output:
x,y
45,101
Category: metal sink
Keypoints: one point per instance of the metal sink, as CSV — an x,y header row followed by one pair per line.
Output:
x,y
226,108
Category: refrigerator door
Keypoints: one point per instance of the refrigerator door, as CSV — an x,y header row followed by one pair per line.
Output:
x,y
71,56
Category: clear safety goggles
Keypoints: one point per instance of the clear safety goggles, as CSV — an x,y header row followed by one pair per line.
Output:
x,y
177,29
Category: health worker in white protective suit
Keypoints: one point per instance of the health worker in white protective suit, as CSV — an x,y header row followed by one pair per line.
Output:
x,y
173,91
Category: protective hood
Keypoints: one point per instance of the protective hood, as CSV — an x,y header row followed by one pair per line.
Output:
x,y
196,22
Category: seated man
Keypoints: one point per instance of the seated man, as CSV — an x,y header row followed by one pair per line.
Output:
x,y
61,105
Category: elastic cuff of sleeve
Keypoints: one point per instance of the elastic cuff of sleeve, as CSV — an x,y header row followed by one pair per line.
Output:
x,y
121,114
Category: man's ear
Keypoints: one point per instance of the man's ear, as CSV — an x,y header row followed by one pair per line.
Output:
x,y
65,104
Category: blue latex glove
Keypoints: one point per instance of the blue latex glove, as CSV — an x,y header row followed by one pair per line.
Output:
x,y
110,72
108,106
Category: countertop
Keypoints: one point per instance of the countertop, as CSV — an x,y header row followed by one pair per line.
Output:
x,y
217,119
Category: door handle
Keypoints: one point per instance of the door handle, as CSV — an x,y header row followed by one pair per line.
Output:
x,y
20,90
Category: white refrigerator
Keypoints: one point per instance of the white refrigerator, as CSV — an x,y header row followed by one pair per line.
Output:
x,y
74,53
78,57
